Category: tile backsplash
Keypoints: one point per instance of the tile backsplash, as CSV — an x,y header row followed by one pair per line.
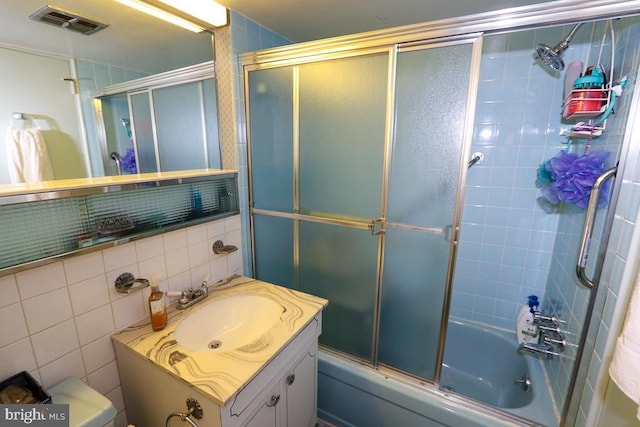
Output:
x,y
56,321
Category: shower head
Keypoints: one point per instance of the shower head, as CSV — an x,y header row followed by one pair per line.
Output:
x,y
550,56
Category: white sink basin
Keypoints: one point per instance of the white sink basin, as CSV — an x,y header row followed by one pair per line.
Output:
x,y
227,323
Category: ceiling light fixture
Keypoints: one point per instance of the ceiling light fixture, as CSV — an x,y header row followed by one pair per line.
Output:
x,y
193,15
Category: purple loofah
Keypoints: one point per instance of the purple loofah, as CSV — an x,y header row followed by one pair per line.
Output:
x,y
129,161
572,176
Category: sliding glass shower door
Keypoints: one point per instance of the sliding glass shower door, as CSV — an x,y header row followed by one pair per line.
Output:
x,y
431,98
355,177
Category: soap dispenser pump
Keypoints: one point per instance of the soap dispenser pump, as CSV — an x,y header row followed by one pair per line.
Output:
x,y
157,306
526,330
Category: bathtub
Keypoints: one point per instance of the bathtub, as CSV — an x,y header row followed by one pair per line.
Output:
x,y
350,394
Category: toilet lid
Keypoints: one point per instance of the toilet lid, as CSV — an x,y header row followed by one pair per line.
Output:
x,y
87,407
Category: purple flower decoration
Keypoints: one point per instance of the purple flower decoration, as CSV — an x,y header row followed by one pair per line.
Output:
x,y
129,161
572,176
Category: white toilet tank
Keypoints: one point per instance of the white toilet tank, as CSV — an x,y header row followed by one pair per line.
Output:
x,y
87,407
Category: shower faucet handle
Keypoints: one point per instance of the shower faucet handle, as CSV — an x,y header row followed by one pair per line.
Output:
x,y
538,318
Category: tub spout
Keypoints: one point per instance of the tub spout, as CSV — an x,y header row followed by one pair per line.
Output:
x,y
541,351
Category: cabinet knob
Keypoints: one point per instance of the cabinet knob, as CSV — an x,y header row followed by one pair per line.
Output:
x,y
291,378
274,401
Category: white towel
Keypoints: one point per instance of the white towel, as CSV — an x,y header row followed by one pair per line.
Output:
x,y
27,156
625,366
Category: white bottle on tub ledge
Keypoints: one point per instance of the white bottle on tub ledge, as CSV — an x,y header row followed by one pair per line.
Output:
x,y
526,330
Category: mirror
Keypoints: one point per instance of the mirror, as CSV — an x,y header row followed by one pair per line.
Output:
x,y
54,74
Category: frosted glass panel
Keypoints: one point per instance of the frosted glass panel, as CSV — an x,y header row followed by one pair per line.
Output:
x,y
180,127
339,264
273,246
431,98
415,267
271,126
342,125
143,126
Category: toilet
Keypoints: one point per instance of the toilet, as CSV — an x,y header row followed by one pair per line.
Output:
x,y
87,407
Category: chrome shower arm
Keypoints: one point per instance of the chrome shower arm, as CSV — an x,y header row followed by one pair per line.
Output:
x,y
564,44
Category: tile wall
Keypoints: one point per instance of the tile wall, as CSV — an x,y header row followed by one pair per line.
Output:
x,y
56,320
509,230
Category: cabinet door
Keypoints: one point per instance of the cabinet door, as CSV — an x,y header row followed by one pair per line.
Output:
x,y
267,415
301,392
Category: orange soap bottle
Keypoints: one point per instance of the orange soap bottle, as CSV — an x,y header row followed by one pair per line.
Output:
x,y
157,307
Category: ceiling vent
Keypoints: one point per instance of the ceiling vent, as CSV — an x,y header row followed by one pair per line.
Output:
x,y
68,20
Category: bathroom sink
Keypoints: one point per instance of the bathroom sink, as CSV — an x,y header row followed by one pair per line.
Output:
x,y
227,323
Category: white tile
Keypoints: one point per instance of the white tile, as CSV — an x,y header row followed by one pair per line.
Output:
x,y
174,240
177,261
40,280
89,294
115,396
232,223
149,248
199,274
98,353
55,342
94,324
47,310
84,267
128,309
196,233
16,357
219,269
198,253
234,238
180,282
8,291
69,365
234,261
215,228
12,324
104,379
120,256
153,266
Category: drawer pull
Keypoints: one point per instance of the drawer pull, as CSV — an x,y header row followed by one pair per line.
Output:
x,y
274,401
291,378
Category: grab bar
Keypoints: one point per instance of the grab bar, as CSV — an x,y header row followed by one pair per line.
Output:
x,y
589,223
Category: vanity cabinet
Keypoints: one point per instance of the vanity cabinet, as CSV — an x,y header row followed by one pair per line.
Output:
x,y
282,393
292,401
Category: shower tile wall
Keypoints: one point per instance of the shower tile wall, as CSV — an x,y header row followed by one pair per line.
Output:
x,y
563,294
511,244
246,36
509,231
507,236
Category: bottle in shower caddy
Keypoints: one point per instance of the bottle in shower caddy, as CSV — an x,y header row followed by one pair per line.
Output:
x,y
526,330
157,306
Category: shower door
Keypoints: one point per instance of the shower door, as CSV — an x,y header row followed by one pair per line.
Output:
x,y
317,153
432,98
355,177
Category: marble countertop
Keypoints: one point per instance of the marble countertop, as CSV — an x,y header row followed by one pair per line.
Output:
x,y
222,375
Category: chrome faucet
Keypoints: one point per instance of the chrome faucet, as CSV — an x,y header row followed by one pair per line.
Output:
x,y
541,351
190,297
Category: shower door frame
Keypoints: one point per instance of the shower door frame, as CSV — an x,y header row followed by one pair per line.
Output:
x,y
378,225
508,20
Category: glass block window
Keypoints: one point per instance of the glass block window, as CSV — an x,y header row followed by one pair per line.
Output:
x,y
40,230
